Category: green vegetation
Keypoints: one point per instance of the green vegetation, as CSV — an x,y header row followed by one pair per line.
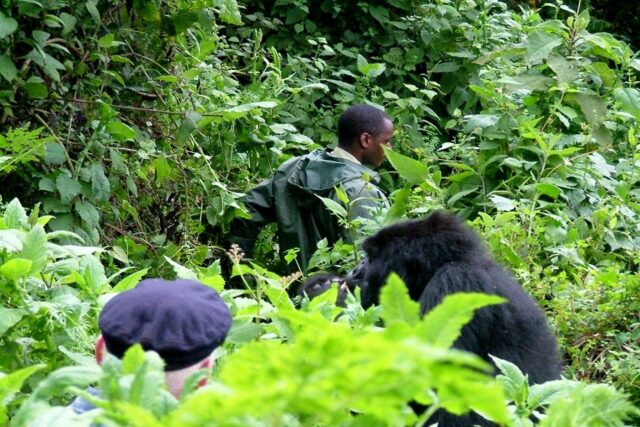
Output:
x,y
130,130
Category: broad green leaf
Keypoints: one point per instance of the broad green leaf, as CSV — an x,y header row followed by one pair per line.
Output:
x,y
502,203
7,25
593,107
370,70
540,45
481,121
130,281
8,318
67,187
334,207
182,272
229,11
15,216
11,240
567,71
442,325
147,10
550,190
10,384
87,212
59,380
590,405
69,23
119,131
55,154
516,384
99,183
34,248
16,268
244,109
36,88
526,81
8,69
242,332
629,99
410,169
397,305
188,125
93,11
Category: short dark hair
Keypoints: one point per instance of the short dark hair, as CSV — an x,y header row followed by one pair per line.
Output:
x,y
359,119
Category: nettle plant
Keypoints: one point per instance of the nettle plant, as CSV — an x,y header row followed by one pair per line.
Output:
x,y
49,292
557,131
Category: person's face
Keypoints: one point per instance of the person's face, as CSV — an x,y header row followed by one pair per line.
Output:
x,y
372,144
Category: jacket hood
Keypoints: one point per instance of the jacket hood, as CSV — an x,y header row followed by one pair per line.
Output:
x,y
317,173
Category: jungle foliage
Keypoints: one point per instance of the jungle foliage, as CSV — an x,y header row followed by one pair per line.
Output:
x,y
130,130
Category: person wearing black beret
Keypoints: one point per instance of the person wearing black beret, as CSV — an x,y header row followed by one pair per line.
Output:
x,y
183,321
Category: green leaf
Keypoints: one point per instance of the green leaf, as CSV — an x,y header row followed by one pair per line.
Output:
x,y
629,99
119,131
410,169
550,190
69,23
16,268
182,272
515,383
147,10
397,305
8,318
334,207
370,70
242,332
34,248
55,154
7,25
502,203
593,107
242,110
540,45
99,182
15,216
188,125
229,11
93,11
130,281
442,325
8,69
481,121
88,213
68,188
590,405
11,240
36,88
10,384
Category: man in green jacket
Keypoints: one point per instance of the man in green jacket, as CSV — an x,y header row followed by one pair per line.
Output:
x,y
291,196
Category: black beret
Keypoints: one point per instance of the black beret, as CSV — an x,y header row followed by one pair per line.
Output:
x,y
182,320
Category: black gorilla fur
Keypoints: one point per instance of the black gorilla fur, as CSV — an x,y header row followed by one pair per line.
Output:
x,y
444,254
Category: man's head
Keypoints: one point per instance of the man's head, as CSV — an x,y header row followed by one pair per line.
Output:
x,y
182,320
362,130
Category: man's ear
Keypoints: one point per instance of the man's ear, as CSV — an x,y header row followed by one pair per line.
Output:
x,y
100,349
364,139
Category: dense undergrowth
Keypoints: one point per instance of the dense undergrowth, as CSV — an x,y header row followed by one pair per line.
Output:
x,y
131,129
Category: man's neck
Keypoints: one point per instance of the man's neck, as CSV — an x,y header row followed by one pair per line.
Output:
x,y
344,154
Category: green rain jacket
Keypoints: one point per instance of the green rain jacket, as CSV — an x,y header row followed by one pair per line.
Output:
x,y
289,198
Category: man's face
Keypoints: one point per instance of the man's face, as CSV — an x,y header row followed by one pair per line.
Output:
x,y
373,151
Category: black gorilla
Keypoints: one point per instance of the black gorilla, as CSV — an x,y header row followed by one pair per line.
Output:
x,y
439,256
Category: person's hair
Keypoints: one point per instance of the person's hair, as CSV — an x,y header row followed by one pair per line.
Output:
x,y
359,119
